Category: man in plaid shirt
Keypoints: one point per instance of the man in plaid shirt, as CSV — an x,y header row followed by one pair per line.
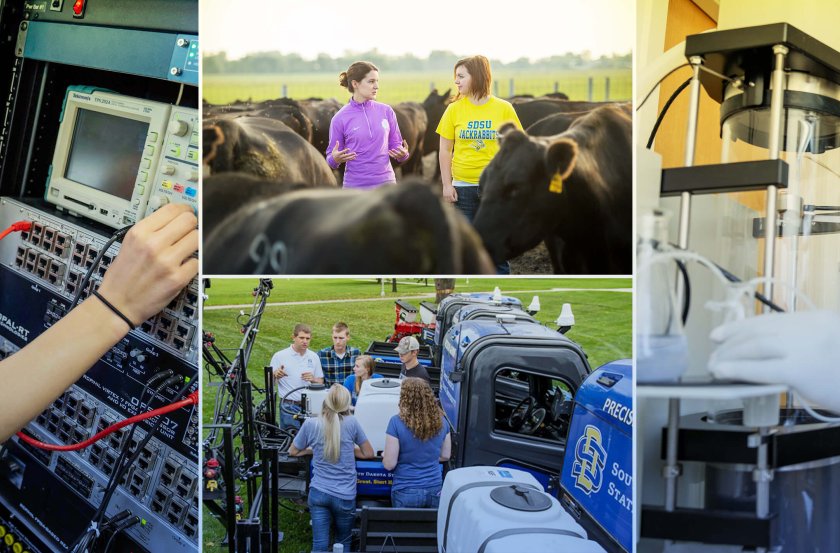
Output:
x,y
337,361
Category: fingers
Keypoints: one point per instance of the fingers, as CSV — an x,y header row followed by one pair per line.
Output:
x,y
162,217
335,148
179,227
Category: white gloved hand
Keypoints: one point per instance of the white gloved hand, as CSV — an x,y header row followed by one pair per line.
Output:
x,y
801,350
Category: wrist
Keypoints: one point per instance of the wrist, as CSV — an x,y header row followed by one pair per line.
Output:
x,y
107,323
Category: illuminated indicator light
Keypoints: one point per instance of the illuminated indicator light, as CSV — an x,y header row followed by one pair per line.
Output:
x,y
186,379
192,155
78,7
9,539
17,548
2,531
175,151
143,521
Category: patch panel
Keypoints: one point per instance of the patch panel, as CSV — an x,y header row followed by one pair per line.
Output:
x,y
59,253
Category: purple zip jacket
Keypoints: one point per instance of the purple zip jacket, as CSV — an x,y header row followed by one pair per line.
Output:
x,y
369,129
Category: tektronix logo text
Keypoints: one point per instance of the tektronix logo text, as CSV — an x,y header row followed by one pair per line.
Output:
x,y
14,328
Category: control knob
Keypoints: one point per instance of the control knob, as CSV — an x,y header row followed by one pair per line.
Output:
x,y
157,202
178,128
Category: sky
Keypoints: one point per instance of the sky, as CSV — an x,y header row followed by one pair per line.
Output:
x,y
499,29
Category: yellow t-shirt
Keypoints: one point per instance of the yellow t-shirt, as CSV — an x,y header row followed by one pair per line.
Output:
x,y
474,128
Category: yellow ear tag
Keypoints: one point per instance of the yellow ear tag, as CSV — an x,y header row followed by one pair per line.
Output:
x,y
556,184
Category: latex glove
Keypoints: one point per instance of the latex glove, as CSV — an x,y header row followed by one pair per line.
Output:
x,y
801,350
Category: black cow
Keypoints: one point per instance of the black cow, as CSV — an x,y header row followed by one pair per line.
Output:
x,y
320,112
402,229
555,123
585,218
434,104
412,120
529,112
281,109
224,193
263,147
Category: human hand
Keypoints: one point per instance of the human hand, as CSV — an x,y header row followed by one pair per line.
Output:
x,y
155,262
307,376
801,350
279,372
400,152
341,156
449,193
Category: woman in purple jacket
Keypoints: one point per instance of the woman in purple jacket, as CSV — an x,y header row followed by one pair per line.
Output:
x,y
364,133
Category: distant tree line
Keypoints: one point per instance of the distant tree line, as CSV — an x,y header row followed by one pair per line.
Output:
x,y
438,60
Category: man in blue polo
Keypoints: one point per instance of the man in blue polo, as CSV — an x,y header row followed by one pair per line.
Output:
x,y
337,360
295,367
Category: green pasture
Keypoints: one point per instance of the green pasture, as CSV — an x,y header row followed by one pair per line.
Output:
x,y
415,86
603,315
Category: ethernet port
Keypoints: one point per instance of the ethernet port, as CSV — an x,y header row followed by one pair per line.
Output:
x,y
77,259
52,427
162,335
20,256
52,279
191,297
179,343
61,239
41,272
108,462
184,486
71,403
37,233
60,251
191,524
188,311
49,237
159,502
115,440
78,436
63,435
88,263
71,288
177,508
170,473
184,330
106,260
94,458
147,327
137,484
173,304
80,248
56,268
165,322
102,270
92,253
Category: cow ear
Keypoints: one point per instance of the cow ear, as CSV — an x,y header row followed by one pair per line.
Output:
x,y
560,157
509,133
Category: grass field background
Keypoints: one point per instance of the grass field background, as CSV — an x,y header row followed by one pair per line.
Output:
x,y
415,86
602,308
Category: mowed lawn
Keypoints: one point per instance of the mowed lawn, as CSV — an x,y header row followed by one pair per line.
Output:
x,y
602,309
415,86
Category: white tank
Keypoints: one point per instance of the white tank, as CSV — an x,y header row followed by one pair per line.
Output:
x,y
315,397
496,510
379,400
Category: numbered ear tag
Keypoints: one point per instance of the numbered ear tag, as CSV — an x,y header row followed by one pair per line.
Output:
x,y
556,184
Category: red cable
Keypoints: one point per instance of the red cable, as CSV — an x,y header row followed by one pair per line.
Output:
x,y
16,227
191,399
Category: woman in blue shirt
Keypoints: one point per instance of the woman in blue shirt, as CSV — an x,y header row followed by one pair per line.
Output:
x,y
416,442
332,438
362,370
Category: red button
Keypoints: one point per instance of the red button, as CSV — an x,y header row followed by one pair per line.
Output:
x,y
78,7
179,188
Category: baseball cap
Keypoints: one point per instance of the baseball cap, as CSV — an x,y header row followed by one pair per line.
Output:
x,y
408,343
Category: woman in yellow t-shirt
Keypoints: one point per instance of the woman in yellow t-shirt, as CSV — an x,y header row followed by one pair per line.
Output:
x,y
469,135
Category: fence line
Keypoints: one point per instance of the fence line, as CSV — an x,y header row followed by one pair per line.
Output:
x,y
577,88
